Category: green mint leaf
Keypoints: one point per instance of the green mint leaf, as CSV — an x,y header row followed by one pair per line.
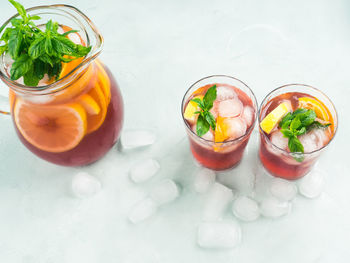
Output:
x,y
16,22
295,124
287,133
37,47
34,17
199,102
210,119
48,47
307,118
295,145
209,97
69,32
3,49
301,131
202,126
299,111
6,35
40,68
20,9
21,66
14,45
286,119
30,79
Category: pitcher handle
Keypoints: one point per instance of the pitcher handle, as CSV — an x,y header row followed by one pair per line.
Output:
x,y
4,105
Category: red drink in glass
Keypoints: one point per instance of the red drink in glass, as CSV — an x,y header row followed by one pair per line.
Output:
x,y
234,110
274,152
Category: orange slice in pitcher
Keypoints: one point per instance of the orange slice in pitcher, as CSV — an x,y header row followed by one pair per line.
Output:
x,y
51,128
104,81
94,121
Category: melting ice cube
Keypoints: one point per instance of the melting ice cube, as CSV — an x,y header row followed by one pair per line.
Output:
x,y
165,192
282,189
204,178
219,235
272,207
248,115
230,108
137,138
225,93
142,210
313,140
245,209
218,199
144,170
84,185
312,184
279,140
236,127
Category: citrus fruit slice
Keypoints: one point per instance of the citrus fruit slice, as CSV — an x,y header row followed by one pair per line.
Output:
x,y
95,121
316,105
274,117
104,81
51,128
190,110
220,130
89,104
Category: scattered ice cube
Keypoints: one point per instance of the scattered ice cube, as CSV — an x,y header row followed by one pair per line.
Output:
x,y
272,207
204,178
248,115
245,209
313,140
219,235
279,140
218,198
312,184
84,185
230,108
165,192
225,93
137,138
236,127
282,189
142,210
144,170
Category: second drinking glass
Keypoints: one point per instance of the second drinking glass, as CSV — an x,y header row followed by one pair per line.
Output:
x,y
219,113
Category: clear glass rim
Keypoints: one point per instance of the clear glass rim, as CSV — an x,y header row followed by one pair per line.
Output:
x,y
302,85
55,86
224,142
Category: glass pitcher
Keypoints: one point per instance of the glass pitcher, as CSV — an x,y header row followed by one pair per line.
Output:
x,y
75,120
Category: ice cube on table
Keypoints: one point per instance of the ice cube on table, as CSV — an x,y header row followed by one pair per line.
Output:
x,y
219,197
204,178
279,140
219,235
272,207
225,93
230,108
248,115
142,210
144,170
312,184
84,185
246,209
137,138
283,190
236,127
165,192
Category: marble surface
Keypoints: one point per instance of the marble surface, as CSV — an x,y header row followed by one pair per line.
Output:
x,y
156,50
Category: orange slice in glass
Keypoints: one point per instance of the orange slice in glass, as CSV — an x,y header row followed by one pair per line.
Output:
x,y
51,128
316,105
104,81
94,121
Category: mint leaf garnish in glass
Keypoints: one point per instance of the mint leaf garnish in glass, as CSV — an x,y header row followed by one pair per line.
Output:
x,y
298,123
205,118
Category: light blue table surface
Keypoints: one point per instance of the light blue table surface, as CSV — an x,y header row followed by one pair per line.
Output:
x,y
156,50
